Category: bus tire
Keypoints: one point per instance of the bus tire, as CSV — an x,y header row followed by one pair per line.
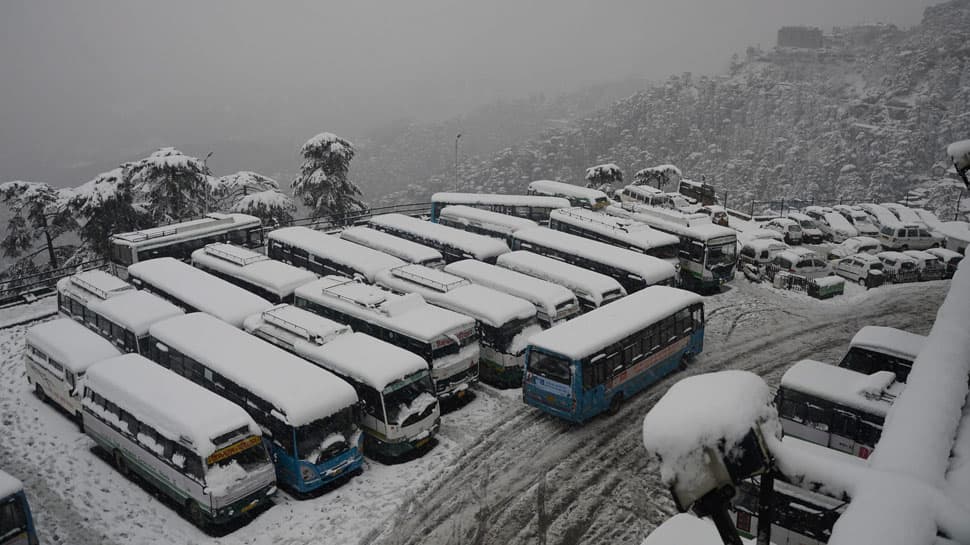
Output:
x,y
194,513
684,360
39,392
80,421
615,404
120,463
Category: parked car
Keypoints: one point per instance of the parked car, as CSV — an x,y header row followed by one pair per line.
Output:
x,y
904,213
804,264
859,219
811,234
949,258
855,245
760,252
866,269
908,237
879,215
716,212
789,228
928,266
759,233
839,227
898,267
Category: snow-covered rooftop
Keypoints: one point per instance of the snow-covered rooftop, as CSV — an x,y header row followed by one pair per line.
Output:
x,y
303,392
634,233
409,251
584,334
697,226
175,406
94,284
503,200
365,261
71,344
479,246
889,340
9,485
136,311
651,269
255,268
185,230
364,358
550,187
843,386
199,289
291,324
585,283
493,220
537,291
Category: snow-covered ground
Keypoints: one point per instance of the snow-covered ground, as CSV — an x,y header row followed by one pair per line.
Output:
x,y
481,483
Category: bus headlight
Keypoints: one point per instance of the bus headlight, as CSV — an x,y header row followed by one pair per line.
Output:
x,y
308,473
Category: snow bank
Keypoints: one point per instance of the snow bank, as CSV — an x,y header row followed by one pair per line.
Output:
x,y
713,410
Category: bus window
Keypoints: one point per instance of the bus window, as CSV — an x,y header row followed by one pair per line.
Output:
x,y
13,518
551,367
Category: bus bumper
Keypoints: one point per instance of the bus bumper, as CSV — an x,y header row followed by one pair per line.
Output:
x,y
501,370
343,466
400,449
243,505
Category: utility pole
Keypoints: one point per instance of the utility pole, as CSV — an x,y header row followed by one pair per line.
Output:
x,y
457,138
205,181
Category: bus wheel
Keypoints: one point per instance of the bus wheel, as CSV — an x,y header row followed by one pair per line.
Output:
x,y
39,392
79,420
194,513
615,404
684,360
120,463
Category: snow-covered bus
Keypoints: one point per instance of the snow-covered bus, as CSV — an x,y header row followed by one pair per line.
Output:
x,y
16,521
592,363
533,207
327,254
307,413
554,303
179,240
634,271
708,252
835,407
800,516
91,285
56,356
593,199
484,222
877,348
400,411
272,280
405,250
619,232
591,288
447,340
195,290
122,319
454,244
504,321
202,451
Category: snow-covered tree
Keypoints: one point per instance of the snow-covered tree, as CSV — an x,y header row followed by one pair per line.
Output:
x,y
227,191
169,185
104,206
272,206
34,215
322,184
660,175
603,174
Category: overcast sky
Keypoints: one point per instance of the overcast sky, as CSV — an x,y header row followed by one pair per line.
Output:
x,y
87,84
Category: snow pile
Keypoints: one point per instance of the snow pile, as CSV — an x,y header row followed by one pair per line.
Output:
x,y
521,339
709,411
684,529
328,441
220,478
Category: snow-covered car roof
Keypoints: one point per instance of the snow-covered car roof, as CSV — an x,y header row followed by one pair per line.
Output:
x,y
784,221
863,256
944,253
898,256
889,340
921,255
760,244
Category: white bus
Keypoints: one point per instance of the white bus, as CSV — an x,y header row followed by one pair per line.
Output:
x,y
835,407
484,222
327,254
800,516
307,413
92,285
179,240
196,290
448,341
454,244
410,252
593,199
122,320
622,233
504,322
554,303
400,411
270,279
592,289
56,356
708,252
877,348
634,271
200,450
533,207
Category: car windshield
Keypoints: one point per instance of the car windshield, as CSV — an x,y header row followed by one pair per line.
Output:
x,y
794,228
551,367
807,224
722,254
876,266
407,399
326,437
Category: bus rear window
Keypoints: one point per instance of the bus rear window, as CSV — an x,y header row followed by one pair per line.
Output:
x,y
550,367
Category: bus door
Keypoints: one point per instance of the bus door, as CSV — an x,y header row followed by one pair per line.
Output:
x,y
843,432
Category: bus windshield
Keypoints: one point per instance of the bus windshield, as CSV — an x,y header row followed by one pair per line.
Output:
x,y
325,438
722,254
13,518
664,252
248,454
503,338
550,366
409,400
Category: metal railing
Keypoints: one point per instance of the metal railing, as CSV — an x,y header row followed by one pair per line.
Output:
x,y
23,289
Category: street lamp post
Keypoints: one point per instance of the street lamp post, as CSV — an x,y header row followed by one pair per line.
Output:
x,y
205,181
457,138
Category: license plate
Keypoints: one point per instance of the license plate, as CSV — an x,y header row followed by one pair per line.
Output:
x,y
422,442
460,394
248,507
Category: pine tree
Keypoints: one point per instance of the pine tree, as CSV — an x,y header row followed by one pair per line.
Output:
x,y
322,184
104,206
272,206
35,215
603,177
169,185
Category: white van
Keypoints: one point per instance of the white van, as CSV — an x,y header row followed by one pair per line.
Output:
x,y
908,237
811,234
949,258
57,354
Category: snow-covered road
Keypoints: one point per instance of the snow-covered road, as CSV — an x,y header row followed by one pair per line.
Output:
x,y
496,463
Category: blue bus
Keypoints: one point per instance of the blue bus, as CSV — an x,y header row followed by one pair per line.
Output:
x,y
592,363
16,524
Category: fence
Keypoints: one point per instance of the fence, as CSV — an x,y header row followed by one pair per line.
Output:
x,y
23,289
322,223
